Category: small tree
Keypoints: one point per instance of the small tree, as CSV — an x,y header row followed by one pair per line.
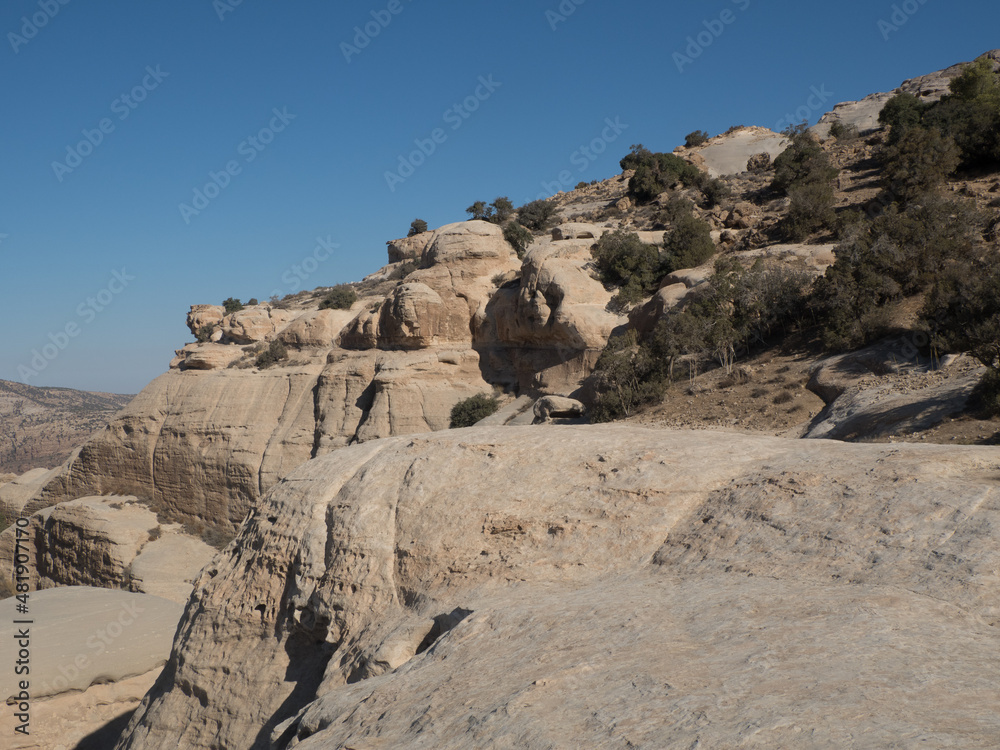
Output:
x,y
625,261
466,413
688,243
918,162
232,305
503,209
696,138
518,236
479,211
417,226
274,353
536,215
340,297
803,161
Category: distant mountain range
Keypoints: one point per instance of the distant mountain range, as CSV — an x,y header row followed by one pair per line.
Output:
x,y
40,427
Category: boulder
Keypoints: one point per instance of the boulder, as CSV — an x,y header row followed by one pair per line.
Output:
x,y
577,231
557,407
201,316
408,248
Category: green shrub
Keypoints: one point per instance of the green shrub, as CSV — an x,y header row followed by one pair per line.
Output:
x,y
803,161
275,352
401,271
204,333
696,138
466,413
810,210
898,254
497,212
626,376
969,114
714,190
232,305
688,243
962,314
417,226
625,261
536,215
918,162
518,237
580,185
844,132
340,297
656,173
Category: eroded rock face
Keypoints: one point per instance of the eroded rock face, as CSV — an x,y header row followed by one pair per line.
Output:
x,y
659,587
110,542
550,328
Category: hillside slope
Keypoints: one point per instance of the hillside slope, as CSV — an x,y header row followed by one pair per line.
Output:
x,y
40,427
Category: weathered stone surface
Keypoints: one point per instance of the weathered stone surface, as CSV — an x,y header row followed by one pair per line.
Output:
x,y
88,720
728,153
168,565
207,356
111,542
663,588
200,316
316,329
15,494
557,407
549,330
252,324
200,446
578,231
408,248
81,636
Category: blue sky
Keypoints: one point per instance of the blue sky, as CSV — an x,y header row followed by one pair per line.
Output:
x,y
116,113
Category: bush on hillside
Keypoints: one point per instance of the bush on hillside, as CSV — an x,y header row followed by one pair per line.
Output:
x,y
918,162
340,297
536,215
623,260
518,236
688,242
695,138
803,161
275,352
232,305
417,226
466,413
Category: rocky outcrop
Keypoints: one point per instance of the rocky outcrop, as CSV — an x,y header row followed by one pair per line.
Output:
x,y
110,542
203,442
547,331
658,587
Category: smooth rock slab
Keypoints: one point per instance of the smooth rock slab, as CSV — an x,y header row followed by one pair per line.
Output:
x,y
81,636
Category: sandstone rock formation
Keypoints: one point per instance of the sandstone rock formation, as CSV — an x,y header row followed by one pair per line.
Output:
x,y
93,653
110,542
204,441
634,586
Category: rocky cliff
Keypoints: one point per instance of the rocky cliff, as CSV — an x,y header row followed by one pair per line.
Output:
x,y
633,587
206,440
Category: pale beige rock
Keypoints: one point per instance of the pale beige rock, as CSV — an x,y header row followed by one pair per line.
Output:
x,y
207,356
110,542
88,720
253,324
168,565
408,248
557,407
82,636
578,231
316,329
728,154
663,588
200,316
15,494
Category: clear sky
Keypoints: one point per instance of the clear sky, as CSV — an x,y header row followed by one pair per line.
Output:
x,y
164,153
